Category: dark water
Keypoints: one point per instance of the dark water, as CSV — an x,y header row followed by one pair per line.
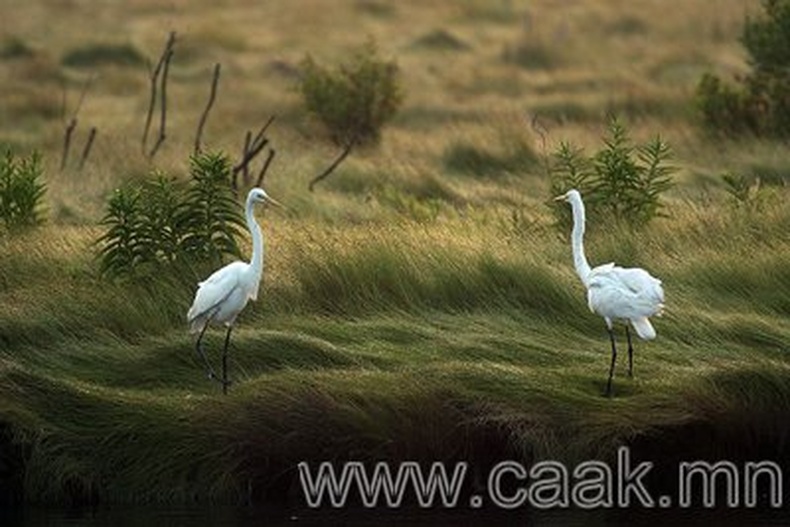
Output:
x,y
224,516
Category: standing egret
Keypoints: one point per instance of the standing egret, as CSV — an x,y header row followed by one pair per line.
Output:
x,y
613,292
221,297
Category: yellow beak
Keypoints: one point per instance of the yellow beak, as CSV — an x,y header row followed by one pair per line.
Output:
x,y
274,202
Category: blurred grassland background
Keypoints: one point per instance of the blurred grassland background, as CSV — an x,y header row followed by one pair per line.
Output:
x,y
420,304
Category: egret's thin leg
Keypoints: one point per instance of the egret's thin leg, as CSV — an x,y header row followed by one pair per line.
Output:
x,y
199,348
611,367
630,352
225,381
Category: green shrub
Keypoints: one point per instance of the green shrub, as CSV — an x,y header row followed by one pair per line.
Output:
x,y
209,215
466,158
621,181
745,192
15,48
159,223
103,54
122,245
759,103
21,190
354,100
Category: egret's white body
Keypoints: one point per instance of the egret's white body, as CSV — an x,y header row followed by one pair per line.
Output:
x,y
223,295
615,293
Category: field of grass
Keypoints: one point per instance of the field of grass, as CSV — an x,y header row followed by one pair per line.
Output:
x,y
418,305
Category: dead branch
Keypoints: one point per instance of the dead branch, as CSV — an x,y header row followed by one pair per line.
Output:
x,y
333,166
266,164
253,147
70,127
211,97
162,106
245,167
154,81
88,144
67,142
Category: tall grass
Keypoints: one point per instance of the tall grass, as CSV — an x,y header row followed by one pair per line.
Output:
x,y
446,341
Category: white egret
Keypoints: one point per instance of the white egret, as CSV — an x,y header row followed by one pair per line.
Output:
x,y
613,292
221,297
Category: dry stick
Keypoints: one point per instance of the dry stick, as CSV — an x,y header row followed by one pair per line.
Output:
x,y
88,144
154,80
333,166
259,137
67,142
245,149
255,148
210,103
73,122
162,106
262,173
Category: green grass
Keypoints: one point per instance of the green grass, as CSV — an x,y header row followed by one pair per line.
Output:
x,y
477,346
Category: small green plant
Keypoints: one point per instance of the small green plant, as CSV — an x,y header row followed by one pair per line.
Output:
x,y
121,246
209,215
356,99
160,223
744,191
21,190
621,181
759,103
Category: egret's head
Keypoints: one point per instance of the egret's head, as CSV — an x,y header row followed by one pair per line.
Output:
x,y
258,195
569,196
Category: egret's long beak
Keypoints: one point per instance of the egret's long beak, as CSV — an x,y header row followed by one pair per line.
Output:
x,y
560,198
274,202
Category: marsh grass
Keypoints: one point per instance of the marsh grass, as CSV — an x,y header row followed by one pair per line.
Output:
x,y
372,343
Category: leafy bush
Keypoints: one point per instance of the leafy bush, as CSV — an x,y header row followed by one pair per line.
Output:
x,y
745,192
121,245
760,102
466,158
209,216
356,99
21,190
160,223
103,54
621,181
14,48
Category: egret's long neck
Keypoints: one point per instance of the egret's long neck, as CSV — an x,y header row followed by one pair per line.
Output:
x,y
256,264
577,241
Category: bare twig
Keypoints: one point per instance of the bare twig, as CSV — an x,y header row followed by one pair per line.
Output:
x,y
162,106
83,93
88,144
154,80
539,128
245,167
333,166
266,164
210,103
72,124
67,142
255,147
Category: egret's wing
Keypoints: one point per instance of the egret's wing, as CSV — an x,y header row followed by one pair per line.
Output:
x,y
611,296
602,269
214,290
641,283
